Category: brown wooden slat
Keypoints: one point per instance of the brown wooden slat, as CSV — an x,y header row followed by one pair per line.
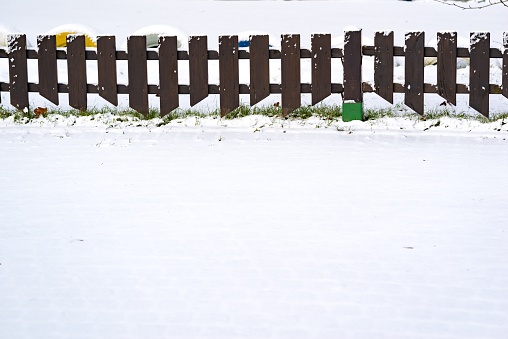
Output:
x,y
76,69
505,65
138,76
290,73
228,74
48,73
168,74
321,67
383,65
479,72
415,43
353,66
18,74
259,68
447,66
198,69
106,66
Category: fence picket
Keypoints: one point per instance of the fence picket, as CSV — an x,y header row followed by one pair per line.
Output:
x,y
18,73
259,68
168,74
47,65
447,66
414,63
505,65
479,72
353,66
290,73
383,65
76,70
198,69
106,67
138,76
321,67
228,74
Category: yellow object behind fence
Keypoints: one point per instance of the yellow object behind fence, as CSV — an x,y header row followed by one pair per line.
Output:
x,y
61,39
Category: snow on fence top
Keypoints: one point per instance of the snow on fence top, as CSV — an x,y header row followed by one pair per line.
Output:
x,y
414,53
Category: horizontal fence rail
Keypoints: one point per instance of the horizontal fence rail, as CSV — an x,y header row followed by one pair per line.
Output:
x,y
259,53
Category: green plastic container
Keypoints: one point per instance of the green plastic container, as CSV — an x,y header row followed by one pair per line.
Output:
x,y
352,111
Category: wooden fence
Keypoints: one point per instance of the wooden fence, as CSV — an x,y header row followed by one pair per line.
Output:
x,y
259,53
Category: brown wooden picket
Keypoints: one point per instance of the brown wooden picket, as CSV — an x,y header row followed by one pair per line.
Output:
x,y
353,66
447,66
106,67
259,68
414,64
198,69
168,74
259,54
290,73
505,65
138,76
18,73
48,72
228,74
479,72
321,67
383,65
76,70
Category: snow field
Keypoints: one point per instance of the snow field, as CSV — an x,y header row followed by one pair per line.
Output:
x,y
221,232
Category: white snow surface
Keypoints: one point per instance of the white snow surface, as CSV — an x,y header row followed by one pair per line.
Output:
x,y
114,227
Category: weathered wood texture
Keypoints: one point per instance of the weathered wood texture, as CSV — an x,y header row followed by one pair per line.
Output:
x,y
505,65
138,77
168,74
321,67
76,70
259,68
18,74
106,66
447,66
383,65
414,64
198,69
479,72
47,67
290,73
228,74
353,66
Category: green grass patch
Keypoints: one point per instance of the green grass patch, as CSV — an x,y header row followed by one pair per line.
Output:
x,y
329,113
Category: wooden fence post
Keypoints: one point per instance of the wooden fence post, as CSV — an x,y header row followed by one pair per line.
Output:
x,y
290,69
198,69
505,65
138,77
76,70
414,91
447,66
18,73
321,67
352,108
259,68
228,74
479,71
106,67
48,72
168,74
383,65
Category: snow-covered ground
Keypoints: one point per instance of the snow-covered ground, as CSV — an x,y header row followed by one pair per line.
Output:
x,y
257,227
